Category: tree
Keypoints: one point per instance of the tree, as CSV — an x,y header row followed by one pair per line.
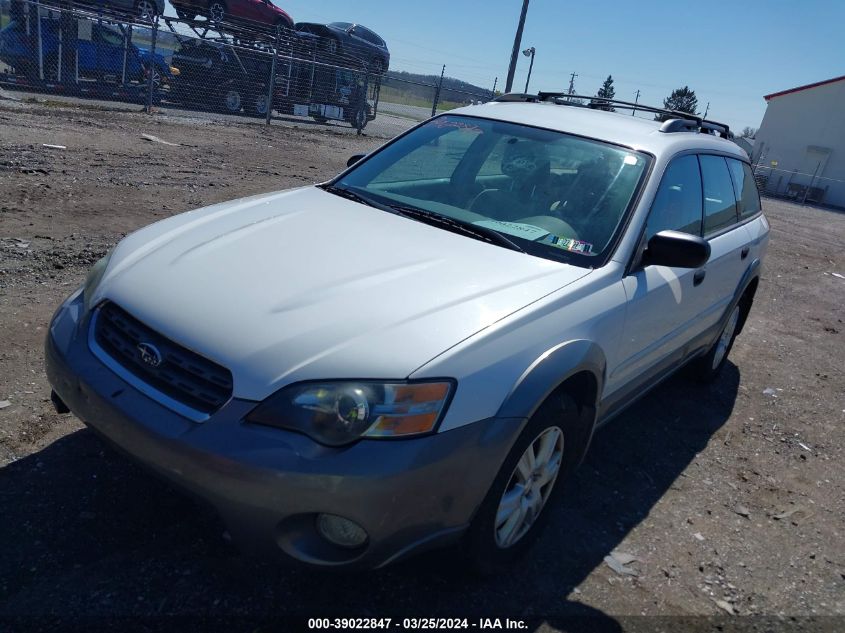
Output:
x,y
681,99
606,91
748,132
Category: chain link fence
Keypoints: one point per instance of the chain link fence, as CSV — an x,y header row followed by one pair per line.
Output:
x,y
209,61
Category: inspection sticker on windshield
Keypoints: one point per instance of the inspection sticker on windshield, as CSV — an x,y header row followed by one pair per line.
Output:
x,y
571,244
525,231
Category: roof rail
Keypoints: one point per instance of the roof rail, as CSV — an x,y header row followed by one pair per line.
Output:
x,y
674,121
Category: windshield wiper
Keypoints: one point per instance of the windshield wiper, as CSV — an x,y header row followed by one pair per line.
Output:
x,y
429,217
458,226
355,197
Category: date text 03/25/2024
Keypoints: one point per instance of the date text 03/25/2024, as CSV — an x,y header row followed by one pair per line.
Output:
x,y
414,624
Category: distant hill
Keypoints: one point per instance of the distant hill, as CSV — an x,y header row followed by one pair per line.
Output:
x,y
453,89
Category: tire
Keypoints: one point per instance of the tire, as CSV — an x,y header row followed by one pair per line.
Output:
x,y
217,11
489,545
319,119
359,119
257,106
232,100
708,367
146,10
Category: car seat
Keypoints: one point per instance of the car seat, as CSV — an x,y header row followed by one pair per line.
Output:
x,y
527,192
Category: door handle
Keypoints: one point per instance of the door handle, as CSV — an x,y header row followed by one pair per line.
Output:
x,y
698,277
745,251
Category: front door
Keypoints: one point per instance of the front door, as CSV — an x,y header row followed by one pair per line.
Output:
x,y
664,303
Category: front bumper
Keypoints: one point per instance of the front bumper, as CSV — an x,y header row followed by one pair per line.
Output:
x,y
268,485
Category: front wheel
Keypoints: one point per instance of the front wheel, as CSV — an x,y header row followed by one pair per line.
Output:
x,y
146,10
515,509
232,100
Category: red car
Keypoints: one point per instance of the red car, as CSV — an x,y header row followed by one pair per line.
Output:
x,y
243,12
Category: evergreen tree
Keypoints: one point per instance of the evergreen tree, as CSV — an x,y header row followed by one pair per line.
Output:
x,y
606,91
682,99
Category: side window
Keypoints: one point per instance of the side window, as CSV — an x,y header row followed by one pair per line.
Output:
x,y
719,198
368,35
677,205
748,199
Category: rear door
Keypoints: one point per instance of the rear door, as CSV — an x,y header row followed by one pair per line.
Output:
x,y
749,207
729,250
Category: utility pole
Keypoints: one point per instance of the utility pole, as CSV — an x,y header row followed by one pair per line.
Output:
x,y
706,110
493,94
636,101
572,83
517,41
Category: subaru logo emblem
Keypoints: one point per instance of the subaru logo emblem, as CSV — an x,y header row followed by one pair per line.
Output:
x,y
149,354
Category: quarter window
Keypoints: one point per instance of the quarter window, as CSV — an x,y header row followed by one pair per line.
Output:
x,y
677,205
719,198
748,199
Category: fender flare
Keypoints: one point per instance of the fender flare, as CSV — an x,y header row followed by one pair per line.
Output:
x,y
549,371
751,273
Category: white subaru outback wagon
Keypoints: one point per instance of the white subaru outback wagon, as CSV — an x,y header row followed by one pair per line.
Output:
x,y
418,351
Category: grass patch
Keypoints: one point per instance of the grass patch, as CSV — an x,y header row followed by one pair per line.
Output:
x,y
404,97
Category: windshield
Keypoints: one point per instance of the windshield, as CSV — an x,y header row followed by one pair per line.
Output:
x,y
554,194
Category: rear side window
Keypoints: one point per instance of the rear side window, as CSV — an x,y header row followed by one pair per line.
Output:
x,y
747,197
677,205
368,35
719,198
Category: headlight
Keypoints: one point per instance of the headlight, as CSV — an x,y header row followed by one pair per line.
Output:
x,y
92,281
337,413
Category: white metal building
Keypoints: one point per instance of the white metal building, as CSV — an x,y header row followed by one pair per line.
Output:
x,y
799,149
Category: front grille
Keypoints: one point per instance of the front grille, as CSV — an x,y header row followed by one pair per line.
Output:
x,y
181,374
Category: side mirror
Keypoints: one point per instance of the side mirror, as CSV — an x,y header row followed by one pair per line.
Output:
x,y
676,249
354,159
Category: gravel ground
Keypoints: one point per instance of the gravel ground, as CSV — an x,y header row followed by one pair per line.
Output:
x,y
729,498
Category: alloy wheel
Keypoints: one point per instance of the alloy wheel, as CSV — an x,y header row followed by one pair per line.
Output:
x,y
217,11
261,105
529,487
232,101
146,10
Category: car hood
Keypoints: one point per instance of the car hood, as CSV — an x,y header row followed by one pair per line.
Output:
x,y
303,284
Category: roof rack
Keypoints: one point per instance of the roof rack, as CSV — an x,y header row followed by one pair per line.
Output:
x,y
676,120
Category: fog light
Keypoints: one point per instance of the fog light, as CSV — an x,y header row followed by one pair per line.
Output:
x,y
341,531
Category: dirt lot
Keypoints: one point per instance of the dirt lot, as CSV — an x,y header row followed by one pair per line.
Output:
x,y
730,497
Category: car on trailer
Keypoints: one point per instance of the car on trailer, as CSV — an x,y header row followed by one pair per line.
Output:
x,y
221,76
347,40
245,13
105,53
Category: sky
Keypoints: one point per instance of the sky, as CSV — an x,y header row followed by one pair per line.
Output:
x,y
730,52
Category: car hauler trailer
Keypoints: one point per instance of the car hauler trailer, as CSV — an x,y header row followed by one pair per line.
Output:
x,y
79,51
